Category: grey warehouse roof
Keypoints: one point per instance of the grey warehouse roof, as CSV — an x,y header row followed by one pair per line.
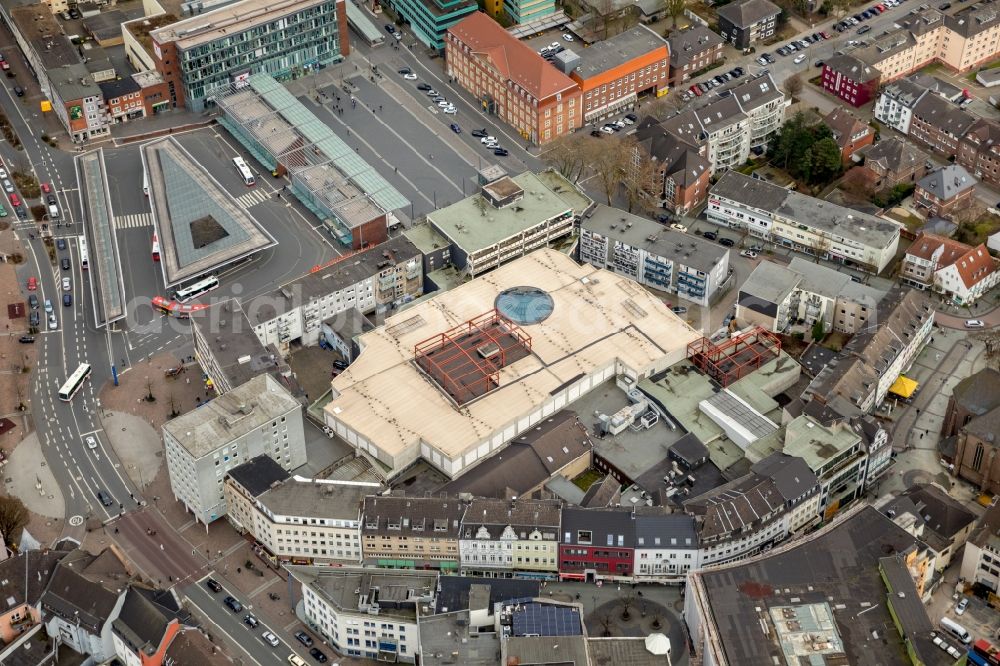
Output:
x,y
613,51
231,415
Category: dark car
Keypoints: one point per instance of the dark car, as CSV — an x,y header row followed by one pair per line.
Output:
x,y
710,235
406,70
500,152
251,621
390,28
68,300
455,128
304,638
19,91
728,242
423,86
318,655
26,339
863,29
632,117
61,244
33,319
597,133
944,6
74,13
818,63
213,585
233,604
340,365
65,264
52,199
33,301
479,133
104,498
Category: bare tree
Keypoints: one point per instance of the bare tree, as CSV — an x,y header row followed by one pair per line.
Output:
x,y
611,164
173,406
793,85
13,517
643,184
657,621
19,394
628,600
676,9
605,621
149,390
991,340
568,155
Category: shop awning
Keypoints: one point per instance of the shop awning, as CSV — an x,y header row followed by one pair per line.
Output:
x,y
904,387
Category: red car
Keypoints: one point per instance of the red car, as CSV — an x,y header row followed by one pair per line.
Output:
x,y
15,200
32,284
4,65
696,90
46,188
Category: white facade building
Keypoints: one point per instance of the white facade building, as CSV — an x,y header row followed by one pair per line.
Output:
x,y
366,613
666,547
497,535
258,418
894,106
981,560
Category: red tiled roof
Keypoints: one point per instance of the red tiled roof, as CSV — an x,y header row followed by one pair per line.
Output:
x,y
972,263
513,59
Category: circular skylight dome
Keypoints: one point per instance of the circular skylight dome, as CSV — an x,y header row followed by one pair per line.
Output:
x,y
524,305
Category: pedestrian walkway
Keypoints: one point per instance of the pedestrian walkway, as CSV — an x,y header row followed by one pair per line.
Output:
x,y
134,221
253,198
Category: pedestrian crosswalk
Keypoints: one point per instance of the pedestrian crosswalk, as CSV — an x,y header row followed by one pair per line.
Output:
x,y
133,221
253,197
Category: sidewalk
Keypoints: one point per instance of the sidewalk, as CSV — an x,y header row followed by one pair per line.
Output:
x,y
137,445
25,471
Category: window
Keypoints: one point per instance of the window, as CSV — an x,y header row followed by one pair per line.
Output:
x,y
584,536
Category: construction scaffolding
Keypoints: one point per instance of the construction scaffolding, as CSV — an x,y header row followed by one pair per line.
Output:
x,y
326,174
736,357
466,360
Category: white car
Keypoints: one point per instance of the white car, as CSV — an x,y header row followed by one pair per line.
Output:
x,y
749,254
271,639
567,37
974,323
451,110
444,103
961,606
48,306
3,173
53,323
91,442
410,77
553,46
488,139
627,121
799,59
677,226
67,285
762,61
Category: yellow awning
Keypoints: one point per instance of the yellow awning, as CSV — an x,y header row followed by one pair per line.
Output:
x,y
904,387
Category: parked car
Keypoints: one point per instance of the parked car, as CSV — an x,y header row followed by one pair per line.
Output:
x,y
26,339
449,110
749,254
567,37
19,91
34,319
33,301
961,606
270,638
304,638
500,152
251,621
799,58
676,226
679,310
410,76
479,133
318,655
728,242
710,235
455,128
488,139
863,29
974,323
233,604
32,284
213,585
424,87
340,365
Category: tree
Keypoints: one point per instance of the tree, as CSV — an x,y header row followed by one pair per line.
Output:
x,y
149,390
793,85
628,600
610,165
13,517
642,186
827,162
818,330
676,9
569,154
173,406
605,621
991,341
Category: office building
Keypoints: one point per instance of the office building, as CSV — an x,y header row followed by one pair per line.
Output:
x,y
666,546
431,20
509,80
653,255
526,11
210,53
803,223
258,418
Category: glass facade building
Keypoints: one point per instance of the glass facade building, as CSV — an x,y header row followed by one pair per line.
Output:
x,y
430,19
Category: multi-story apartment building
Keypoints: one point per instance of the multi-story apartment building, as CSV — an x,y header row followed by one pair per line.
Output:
x,y
596,544
258,418
776,499
928,512
511,81
803,223
430,20
794,297
211,52
728,128
508,538
666,546
692,51
525,11
850,79
981,558
653,255
939,124
508,218
895,103
412,532
746,22
876,356
957,271
304,521
945,191
376,280
682,172
979,150
363,613
613,73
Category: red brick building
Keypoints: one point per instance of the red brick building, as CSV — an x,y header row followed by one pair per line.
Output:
x,y
850,79
596,544
511,81
692,51
979,151
945,191
849,132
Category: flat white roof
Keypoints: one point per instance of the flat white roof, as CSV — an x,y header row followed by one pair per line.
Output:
x,y
598,318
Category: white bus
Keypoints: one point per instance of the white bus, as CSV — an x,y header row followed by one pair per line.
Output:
x,y
156,247
145,183
74,382
197,289
83,252
244,170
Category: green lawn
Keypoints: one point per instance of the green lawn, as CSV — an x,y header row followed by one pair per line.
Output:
x,y
587,479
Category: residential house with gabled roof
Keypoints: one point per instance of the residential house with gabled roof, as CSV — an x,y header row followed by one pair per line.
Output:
x,y
979,150
850,79
850,133
945,191
404,532
506,538
893,162
23,579
939,124
146,625
958,271
682,172
982,551
597,544
929,513
692,51
511,81
746,22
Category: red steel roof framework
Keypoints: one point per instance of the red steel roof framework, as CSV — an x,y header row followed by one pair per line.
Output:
x,y
458,368
736,357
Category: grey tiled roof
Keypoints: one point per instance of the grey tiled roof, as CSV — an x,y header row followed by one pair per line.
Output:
x,y
605,526
947,182
687,44
745,13
258,474
980,392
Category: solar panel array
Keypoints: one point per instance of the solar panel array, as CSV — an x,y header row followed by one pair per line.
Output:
x,y
546,620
